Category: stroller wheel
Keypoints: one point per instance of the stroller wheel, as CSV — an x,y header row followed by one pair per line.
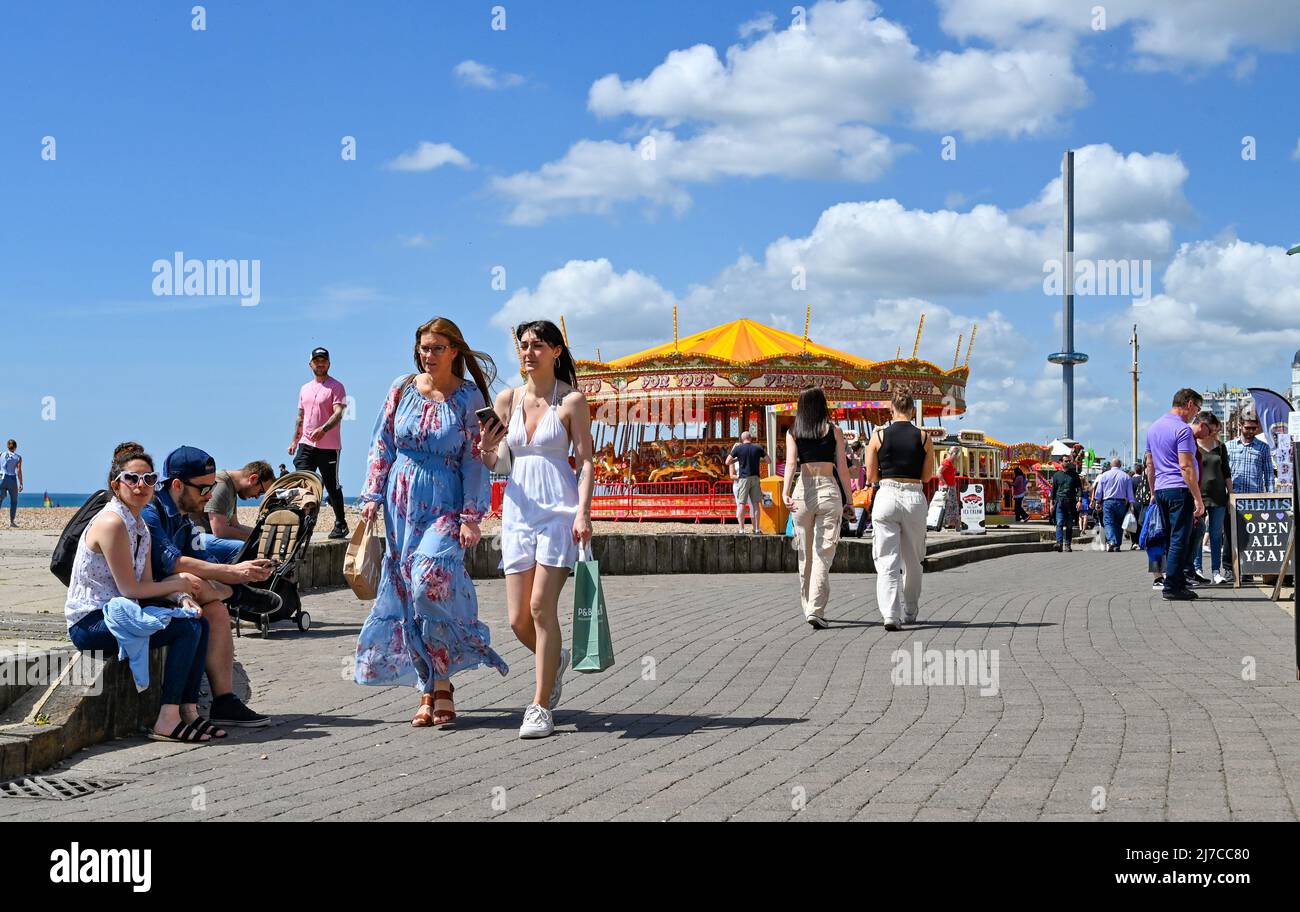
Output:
x,y
304,621
264,625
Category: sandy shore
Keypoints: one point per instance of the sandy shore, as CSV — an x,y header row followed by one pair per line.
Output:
x,y
53,519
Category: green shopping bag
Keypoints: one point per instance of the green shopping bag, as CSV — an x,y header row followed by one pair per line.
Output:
x,y
593,650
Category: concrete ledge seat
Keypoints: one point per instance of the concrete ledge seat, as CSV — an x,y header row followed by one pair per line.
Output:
x,y
90,703
688,552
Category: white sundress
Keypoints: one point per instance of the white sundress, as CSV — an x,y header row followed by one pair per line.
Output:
x,y
541,498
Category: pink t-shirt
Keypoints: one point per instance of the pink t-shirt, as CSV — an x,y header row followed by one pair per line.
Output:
x,y
317,401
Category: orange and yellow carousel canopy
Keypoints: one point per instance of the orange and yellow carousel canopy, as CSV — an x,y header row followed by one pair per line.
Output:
x,y
745,363
739,342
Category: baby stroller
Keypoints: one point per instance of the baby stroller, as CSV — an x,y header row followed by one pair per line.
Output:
x,y
285,520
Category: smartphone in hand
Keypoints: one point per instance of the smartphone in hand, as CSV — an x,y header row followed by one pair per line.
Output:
x,y
486,415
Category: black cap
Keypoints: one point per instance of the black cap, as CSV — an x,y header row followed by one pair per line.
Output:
x,y
320,353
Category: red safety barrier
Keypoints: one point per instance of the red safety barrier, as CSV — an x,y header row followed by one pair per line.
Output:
x,y
695,500
699,500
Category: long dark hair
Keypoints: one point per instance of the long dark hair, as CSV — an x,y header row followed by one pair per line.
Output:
x,y
481,366
123,454
548,332
812,416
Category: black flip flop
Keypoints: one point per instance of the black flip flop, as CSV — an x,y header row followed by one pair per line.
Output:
x,y
208,727
183,733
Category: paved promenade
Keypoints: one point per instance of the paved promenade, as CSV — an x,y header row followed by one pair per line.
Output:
x,y
1110,704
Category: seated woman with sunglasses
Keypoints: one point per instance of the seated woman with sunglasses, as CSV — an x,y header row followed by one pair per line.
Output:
x,y
112,563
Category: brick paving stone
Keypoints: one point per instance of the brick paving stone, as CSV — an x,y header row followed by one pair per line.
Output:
x,y
723,704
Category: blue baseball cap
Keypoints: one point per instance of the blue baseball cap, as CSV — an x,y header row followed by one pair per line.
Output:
x,y
188,462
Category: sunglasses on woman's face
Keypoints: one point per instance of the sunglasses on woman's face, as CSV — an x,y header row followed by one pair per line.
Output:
x,y
134,479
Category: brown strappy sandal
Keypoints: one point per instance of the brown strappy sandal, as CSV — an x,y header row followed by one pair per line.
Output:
x,y
444,716
424,719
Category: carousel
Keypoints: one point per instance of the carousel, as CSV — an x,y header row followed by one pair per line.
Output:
x,y
1033,459
665,419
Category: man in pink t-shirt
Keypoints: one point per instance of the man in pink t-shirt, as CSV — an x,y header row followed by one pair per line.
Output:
x,y
317,438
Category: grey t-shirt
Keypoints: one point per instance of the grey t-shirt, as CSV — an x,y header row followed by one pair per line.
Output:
x,y
224,499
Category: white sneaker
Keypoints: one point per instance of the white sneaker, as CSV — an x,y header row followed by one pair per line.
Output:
x,y
1219,578
557,689
537,722
817,621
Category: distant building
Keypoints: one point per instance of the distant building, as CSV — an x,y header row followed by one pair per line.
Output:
x,y
1225,400
1295,380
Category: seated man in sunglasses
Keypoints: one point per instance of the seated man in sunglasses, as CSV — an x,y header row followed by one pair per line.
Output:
x,y
189,474
224,536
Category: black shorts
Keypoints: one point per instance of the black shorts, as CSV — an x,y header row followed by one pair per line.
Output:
x,y
308,458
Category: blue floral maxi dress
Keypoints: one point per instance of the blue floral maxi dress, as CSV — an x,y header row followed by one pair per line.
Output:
x,y
426,467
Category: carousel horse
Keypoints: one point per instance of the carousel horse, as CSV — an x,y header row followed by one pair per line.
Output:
x,y
690,465
610,469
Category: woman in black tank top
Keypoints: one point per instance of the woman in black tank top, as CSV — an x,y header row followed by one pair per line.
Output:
x,y
814,448
900,460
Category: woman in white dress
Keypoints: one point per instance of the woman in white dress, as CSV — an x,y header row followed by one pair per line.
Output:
x,y
546,514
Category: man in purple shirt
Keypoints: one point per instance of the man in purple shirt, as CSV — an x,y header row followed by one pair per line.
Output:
x,y
1172,476
1114,491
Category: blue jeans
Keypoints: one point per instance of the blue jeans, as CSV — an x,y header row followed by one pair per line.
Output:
x,y
1176,509
9,485
1213,522
186,640
1066,517
1113,510
217,550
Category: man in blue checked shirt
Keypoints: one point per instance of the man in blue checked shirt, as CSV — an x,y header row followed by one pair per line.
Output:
x,y
1251,461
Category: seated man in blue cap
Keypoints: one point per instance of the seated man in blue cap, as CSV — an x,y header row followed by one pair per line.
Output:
x,y
188,477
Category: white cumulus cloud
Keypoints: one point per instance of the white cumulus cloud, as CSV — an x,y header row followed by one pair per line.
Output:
x,y
1165,34
481,76
810,103
427,156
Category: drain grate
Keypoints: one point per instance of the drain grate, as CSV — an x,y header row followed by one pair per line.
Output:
x,y
57,788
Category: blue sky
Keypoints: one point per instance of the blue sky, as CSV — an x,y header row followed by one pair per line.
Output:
x,y
775,146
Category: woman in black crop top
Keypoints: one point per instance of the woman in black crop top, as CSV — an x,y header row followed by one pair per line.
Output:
x,y
900,460
815,448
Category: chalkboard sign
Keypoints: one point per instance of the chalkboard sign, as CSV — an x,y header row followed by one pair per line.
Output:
x,y
1261,525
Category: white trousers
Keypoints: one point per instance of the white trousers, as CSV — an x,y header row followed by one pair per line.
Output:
x,y
897,548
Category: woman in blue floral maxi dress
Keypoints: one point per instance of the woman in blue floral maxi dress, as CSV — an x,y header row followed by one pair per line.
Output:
x,y
426,469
